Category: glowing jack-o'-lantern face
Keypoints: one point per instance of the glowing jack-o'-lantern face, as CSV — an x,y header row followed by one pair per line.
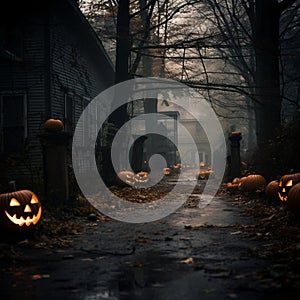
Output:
x,y
285,184
125,178
141,178
167,171
20,210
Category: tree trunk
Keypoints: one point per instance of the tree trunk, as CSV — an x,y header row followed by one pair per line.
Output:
x,y
147,59
122,41
120,115
267,80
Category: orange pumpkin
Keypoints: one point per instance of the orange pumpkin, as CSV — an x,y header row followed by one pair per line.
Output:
x,y
241,180
271,190
177,168
203,175
125,178
285,184
19,210
167,171
236,180
253,183
293,200
141,178
232,187
54,125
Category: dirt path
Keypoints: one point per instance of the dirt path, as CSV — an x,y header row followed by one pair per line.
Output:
x,y
192,254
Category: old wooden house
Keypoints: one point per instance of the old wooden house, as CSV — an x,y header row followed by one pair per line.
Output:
x,y
51,65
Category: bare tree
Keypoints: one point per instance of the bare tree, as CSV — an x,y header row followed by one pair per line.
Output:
x,y
231,50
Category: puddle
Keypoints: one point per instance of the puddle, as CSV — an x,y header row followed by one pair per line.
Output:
x,y
143,278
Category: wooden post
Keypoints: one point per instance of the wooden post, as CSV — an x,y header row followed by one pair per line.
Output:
x,y
235,168
56,178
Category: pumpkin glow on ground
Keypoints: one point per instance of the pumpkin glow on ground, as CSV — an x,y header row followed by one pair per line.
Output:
x,y
239,246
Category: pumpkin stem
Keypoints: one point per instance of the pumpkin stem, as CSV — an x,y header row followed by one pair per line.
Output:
x,y
12,186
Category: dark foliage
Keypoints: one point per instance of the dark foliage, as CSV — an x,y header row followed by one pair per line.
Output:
x,y
280,155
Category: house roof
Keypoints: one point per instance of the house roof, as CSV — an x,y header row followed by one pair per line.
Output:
x,y
92,34
18,8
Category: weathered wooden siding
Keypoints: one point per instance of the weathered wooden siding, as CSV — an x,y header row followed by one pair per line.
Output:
x,y
28,77
79,67
60,46
76,63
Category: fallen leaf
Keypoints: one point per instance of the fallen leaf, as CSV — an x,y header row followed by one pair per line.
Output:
x,y
87,259
139,264
157,285
221,275
189,260
241,276
236,232
40,276
36,276
68,256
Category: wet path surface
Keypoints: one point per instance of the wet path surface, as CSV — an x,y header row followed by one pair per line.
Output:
x,y
192,254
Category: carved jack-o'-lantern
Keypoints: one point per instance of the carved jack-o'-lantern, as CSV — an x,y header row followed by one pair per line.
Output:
x,y
19,210
125,178
167,171
141,178
285,184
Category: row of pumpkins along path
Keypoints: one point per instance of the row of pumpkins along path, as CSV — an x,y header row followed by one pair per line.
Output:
x,y
128,178
286,190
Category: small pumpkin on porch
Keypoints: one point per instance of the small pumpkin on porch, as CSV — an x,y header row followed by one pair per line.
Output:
x,y
125,178
20,210
54,125
293,200
253,183
286,183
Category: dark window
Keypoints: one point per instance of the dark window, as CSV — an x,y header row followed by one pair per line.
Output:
x,y
11,42
12,123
